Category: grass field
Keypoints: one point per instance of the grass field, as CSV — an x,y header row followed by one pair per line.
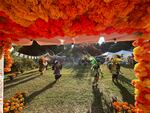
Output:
x,y
72,93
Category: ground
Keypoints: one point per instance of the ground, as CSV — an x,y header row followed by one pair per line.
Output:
x,y
72,93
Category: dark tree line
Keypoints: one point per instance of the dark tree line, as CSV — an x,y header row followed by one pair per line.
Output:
x,y
67,50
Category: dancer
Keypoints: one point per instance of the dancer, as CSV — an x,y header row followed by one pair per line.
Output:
x,y
96,71
42,64
57,66
115,68
131,61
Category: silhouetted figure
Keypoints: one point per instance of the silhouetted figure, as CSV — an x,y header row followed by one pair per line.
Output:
x,y
131,61
57,66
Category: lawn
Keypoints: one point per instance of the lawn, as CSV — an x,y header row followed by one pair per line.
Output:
x,y
72,93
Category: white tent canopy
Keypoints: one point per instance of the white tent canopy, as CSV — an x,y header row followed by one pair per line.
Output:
x,y
124,53
107,54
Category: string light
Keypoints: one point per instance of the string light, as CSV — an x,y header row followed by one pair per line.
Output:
x,y
101,40
72,45
61,41
115,40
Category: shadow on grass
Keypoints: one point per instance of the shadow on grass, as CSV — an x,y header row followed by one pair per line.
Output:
x,y
18,78
80,71
128,67
30,72
126,95
123,79
67,66
21,82
36,93
97,105
100,104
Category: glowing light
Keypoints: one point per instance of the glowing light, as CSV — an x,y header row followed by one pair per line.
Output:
x,y
21,55
29,57
101,40
25,56
65,47
72,46
61,41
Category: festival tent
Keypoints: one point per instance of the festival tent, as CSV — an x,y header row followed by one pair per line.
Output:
x,y
107,54
124,53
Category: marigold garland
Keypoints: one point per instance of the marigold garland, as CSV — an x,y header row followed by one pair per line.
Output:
x,y
15,104
6,46
142,72
124,106
37,18
50,18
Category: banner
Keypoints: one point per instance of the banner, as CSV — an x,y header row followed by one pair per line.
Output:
x,y
29,57
21,55
25,56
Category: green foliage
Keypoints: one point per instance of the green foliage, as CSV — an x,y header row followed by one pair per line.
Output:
x,y
23,64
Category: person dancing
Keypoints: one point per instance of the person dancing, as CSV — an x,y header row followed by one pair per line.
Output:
x,y
42,64
57,66
96,71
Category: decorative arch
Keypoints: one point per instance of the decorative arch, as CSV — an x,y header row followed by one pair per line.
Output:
x,y
49,21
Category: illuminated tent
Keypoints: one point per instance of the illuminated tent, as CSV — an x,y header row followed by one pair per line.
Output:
x,y
107,54
124,53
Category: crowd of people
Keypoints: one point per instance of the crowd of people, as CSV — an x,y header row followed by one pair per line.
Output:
x,y
113,65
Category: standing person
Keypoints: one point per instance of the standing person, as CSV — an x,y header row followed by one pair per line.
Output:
x,y
96,72
46,62
118,60
42,64
131,61
115,69
57,66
